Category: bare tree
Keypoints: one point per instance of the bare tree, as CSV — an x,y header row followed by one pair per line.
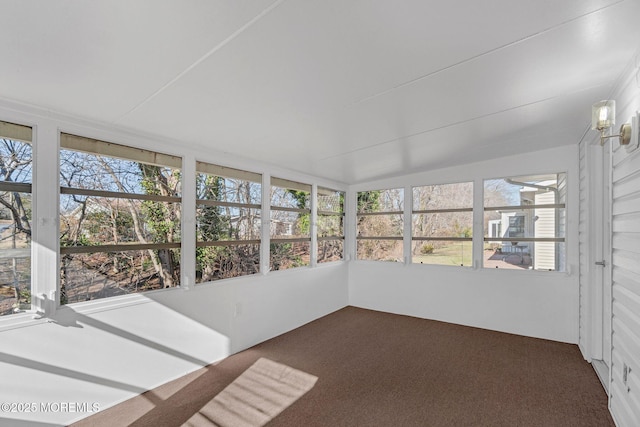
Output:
x,y
15,166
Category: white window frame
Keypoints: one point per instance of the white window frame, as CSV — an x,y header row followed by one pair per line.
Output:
x,y
92,146
415,211
389,213
341,214
22,134
557,206
227,172
290,185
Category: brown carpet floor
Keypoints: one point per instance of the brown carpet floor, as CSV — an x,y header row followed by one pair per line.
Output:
x,y
380,369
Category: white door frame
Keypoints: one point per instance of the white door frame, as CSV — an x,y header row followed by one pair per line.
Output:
x,y
598,271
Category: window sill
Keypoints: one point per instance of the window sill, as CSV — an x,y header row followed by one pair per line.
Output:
x,y
21,320
111,303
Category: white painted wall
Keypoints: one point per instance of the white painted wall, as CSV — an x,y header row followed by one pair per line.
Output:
x,y
531,303
106,351
104,354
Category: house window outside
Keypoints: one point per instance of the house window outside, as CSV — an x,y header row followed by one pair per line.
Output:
x,y
290,224
228,215
525,222
16,162
119,219
330,204
442,224
380,223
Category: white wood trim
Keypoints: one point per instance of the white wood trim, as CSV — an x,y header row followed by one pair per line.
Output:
x,y
45,237
188,223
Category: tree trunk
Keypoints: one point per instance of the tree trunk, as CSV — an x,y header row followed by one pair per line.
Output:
x,y
165,278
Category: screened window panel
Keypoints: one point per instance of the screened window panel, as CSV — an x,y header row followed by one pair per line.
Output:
x,y
524,222
228,222
442,224
443,196
443,252
380,250
380,225
290,224
227,261
330,225
119,219
286,255
330,250
16,164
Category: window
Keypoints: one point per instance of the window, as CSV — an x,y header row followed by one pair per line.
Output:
x,y
228,218
330,225
119,219
380,225
16,164
442,224
290,226
525,221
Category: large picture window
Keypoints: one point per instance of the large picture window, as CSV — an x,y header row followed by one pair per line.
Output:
x,y
290,225
119,219
525,222
380,225
330,225
16,164
228,212
442,224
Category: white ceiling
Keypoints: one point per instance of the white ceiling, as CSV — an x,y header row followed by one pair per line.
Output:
x,y
349,90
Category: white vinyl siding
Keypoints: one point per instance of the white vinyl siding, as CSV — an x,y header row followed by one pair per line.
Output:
x,y
583,247
562,219
625,345
625,398
545,226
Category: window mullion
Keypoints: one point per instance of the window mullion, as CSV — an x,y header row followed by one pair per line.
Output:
x,y
188,238
478,224
314,226
407,232
45,244
265,228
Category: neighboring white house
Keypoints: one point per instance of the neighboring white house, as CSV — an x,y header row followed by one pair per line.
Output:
x,y
537,223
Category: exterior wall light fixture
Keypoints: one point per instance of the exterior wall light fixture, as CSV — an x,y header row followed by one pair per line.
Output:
x,y
603,117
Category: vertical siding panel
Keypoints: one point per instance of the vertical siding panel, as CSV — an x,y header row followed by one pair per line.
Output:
x,y
545,226
625,398
562,221
583,245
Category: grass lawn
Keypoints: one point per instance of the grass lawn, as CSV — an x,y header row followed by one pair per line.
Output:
x,y
454,253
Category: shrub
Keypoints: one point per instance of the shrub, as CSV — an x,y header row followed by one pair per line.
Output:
x,y
427,249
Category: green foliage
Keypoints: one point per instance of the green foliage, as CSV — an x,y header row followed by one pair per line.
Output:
x,y
303,224
161,217
461,230
283,256
219,262
369,201
83,240
213,225
24,295
302,202
301,198
427,249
